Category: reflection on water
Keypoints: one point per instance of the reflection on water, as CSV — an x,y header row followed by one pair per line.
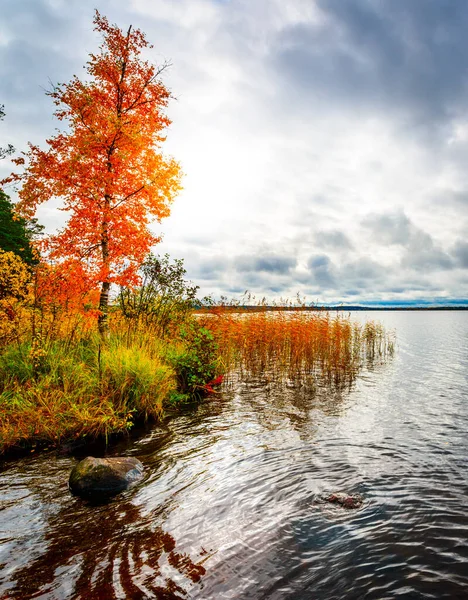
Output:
x,y
106,551
229,507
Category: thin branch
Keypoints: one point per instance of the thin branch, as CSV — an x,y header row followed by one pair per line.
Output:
x,y
135,103
89,250
122,74
128,196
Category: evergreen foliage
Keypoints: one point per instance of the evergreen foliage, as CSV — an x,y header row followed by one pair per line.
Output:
x,y
16,233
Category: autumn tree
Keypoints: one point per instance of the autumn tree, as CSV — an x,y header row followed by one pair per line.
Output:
x,y
107,166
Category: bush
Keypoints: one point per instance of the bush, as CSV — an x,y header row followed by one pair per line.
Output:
x,y
164,299
59,380
195,361
14,290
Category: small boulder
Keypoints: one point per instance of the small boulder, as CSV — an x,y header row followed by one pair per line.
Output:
x,y
345,500
104,477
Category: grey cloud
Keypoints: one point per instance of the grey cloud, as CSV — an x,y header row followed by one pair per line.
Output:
x,y
277,288
380,281
321,268
333,239
236,289
362,270
460,251
21,80
421,252
40,46
361,274
455,197
36,20
259,283
360,278
434,259
319,261
268,263
403,56
409,285
207,268
389,228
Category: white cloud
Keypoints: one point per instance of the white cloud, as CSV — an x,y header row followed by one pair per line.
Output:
x,y
293,121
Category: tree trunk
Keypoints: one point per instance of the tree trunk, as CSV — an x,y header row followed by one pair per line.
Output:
x,y
103,321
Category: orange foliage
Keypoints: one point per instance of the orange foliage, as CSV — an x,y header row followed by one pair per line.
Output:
x,y
107,167
65,301
65,286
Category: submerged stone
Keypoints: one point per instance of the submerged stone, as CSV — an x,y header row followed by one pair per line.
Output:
x,y
345,500
104,477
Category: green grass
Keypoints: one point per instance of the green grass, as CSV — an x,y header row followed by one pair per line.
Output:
x,y
84,390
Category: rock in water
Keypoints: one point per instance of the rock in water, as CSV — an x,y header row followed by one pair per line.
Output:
x,y
104,477
345,500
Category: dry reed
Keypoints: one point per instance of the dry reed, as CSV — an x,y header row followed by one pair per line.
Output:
x,y
298,346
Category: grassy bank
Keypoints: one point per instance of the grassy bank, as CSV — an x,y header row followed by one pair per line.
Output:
x,y
62,392
58,392
60,389
60,381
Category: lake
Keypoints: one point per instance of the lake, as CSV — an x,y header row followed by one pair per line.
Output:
x,y
231,505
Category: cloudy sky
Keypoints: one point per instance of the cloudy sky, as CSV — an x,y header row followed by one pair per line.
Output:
x,y
324,142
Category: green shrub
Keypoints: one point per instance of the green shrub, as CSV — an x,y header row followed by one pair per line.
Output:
x,y
195,361
164,299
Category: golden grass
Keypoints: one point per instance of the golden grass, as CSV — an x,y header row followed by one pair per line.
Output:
x,y
296,345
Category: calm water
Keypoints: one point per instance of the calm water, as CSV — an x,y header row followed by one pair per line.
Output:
x,y
229,506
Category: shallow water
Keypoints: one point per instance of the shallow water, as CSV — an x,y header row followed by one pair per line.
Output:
x,y
229,506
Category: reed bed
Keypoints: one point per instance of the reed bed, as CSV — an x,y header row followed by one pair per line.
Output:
x,y
302,347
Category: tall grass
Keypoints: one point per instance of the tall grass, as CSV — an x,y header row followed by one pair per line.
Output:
x,y
65,392
53,389
296,345
137,376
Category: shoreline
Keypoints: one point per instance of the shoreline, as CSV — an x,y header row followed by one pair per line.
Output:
x,y
249,309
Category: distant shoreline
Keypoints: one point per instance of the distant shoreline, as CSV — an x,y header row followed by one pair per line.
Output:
x,y
327,308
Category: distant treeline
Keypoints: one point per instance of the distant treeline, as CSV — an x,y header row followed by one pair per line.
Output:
x,y
263,308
